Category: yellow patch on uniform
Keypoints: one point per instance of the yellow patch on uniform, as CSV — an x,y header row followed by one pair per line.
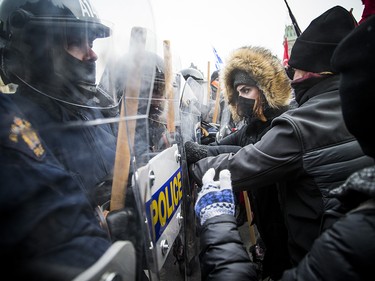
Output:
x,y
21,129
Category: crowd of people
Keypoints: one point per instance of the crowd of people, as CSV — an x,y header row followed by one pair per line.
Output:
x,y
301,150
312,160
344,249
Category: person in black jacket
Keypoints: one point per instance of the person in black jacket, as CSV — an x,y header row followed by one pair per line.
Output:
x,y
345,250
254,100
308,150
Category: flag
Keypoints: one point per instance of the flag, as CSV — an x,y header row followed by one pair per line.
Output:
x,y
294,21
286,53
219,63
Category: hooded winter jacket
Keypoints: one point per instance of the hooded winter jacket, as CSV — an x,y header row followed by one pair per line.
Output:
x,y
265,69
308,151
345,251
268,73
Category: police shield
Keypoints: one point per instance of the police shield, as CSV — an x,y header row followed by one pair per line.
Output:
x,y
159,178
186,247
227,126
208,107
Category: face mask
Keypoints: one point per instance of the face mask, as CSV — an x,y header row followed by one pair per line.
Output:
x,y
245,107
75,70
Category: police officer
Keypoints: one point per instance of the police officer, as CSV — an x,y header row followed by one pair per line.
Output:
x,y
48,52
47,49
49,230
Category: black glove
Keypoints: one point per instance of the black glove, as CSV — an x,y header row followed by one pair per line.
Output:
x,y
122,224
195,152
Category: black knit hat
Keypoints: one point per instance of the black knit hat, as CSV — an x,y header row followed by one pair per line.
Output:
x,y
354,58
313,49
241,77
214,75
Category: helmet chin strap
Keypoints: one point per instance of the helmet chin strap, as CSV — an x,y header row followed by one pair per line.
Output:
x,y
10,65
3,70
89,87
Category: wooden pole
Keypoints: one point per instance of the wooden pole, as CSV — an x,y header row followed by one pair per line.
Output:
x,y
249,218
126,130
208,82
168,73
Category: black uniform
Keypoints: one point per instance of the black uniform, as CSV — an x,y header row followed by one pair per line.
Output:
x,y
49,229
86,151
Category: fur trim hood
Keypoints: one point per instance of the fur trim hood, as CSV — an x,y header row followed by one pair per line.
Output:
x,y
265,68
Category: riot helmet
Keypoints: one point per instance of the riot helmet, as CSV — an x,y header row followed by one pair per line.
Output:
x,y
193,73
48,46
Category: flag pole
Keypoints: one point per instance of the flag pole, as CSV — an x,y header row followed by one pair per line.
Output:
x,y
294,21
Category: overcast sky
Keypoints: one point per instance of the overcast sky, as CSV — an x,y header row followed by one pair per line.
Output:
x,y
193,27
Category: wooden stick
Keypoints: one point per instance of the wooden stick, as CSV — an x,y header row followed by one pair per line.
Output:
x,y
249,218
169,85
126,131
217,103
208,82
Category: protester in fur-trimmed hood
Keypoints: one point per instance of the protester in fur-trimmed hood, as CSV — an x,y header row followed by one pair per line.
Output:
x,y
255,66
257,90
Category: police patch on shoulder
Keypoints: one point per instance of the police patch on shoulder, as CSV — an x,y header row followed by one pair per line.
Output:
x,y
24,137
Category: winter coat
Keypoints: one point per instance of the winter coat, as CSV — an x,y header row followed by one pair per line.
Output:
x,y
49,228
345,251
77,147
265,68
215,262
265,203
250,133
308,151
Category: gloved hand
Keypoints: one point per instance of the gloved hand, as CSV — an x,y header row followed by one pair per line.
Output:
x,y
216,197
194,152
122,224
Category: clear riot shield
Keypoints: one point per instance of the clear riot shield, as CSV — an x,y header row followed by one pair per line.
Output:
x,y
187,245
159,178
91,120
207,128
226,123
133,76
